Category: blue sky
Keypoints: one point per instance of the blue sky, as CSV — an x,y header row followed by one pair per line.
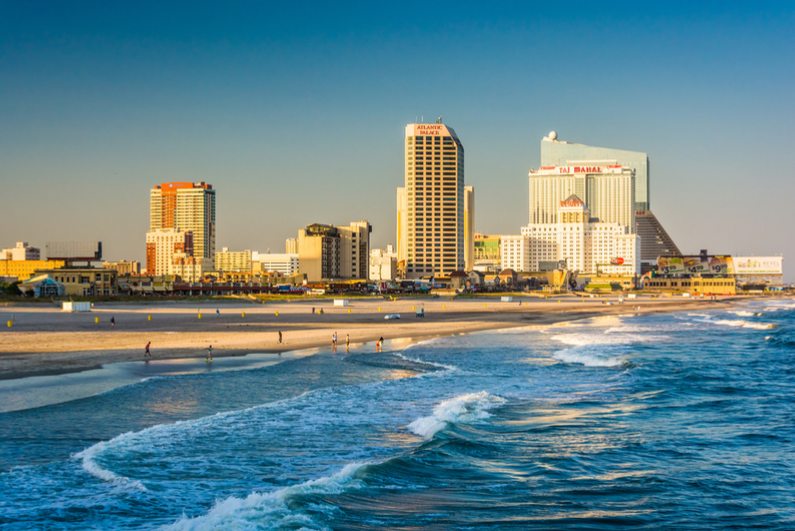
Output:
x,y
296,114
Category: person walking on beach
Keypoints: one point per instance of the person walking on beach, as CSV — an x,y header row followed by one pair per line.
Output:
x,y
147,353
347,342
379,345
334,342
209,358
280,337
112,323
218,312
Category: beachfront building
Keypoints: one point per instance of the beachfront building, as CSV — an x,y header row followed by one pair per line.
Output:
x,y
488,253
24,269
283,263
83,281
607,189
186,207
291,246
383,264
227,261
515,252
334,252
162,245
22,251
123,267
431,203
585,244
656,241
469,228
186,268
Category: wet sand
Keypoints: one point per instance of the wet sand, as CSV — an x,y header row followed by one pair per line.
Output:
x,y
46,341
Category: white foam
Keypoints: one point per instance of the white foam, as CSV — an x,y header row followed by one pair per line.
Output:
x,y
267,510
90,465
464,409
745,324
587,359
425,362
743,313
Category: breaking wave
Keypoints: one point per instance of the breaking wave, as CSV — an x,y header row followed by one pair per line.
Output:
x,y
464,409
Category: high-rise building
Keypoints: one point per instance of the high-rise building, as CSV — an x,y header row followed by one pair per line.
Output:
x,y
515,251
402,225
434,212
186,207
162,245
656,241
469,228
556,152
334,252
291,246
608,190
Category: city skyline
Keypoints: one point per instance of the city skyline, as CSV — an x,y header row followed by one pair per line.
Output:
x,y
97,108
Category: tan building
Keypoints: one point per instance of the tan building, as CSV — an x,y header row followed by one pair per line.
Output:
x,y
187,268
186,207
227,261
434,212
715,286
291,246
84,282
124,267
334,252
25,269
161,245
488,253
22,251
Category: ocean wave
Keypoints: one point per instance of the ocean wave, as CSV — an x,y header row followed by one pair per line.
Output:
x,y
588,359
743,313
270,510
91,466
464,409
425,362
744,324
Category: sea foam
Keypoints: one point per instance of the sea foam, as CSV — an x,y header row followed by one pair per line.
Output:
x,y
464,409
270,510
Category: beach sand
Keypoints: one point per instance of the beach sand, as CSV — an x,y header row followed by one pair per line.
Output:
x,y
44,340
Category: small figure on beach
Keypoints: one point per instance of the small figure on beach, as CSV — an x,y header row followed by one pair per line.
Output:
x,y
217,312
334,342
379,346
147,353
209,358
313,309
347,342
112,323
280,337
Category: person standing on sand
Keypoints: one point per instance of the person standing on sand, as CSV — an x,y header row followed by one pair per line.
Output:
x,y
209,358
147,353
347,342
112,323
334,342
280,337
218,312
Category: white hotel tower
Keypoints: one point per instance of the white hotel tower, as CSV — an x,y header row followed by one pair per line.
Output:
x,y
435,222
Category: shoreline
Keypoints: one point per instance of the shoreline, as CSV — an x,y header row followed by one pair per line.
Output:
x,y
54,343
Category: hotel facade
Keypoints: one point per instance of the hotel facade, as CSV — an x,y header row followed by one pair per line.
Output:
x,y
434,206
186,207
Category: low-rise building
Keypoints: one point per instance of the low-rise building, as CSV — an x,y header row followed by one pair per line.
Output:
x,y
161,245
84,282
284,263
25,269
124,267
715,286
488,253
186,268
22,251
515,251
229,261
383,264
334,252
42,286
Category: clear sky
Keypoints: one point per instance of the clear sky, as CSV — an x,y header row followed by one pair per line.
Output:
x,y
295,112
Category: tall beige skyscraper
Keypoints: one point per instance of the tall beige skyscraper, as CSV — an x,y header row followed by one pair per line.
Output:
x,y
186,207
469,228
434,202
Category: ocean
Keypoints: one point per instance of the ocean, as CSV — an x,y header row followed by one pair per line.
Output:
x,y
669,421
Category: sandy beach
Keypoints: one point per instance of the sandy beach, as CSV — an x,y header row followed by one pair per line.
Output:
x,y
45,340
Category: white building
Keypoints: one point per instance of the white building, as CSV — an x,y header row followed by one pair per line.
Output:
x,y
383,264
162,245
515,252
587,245
188,268
21,252
607,188
291,246
284,263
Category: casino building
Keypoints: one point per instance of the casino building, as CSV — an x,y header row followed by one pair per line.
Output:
x,y
435,222
656,241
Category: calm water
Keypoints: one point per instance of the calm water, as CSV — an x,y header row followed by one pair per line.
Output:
x,y
680,421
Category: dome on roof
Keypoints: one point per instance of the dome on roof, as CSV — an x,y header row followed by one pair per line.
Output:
x,y
553,135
